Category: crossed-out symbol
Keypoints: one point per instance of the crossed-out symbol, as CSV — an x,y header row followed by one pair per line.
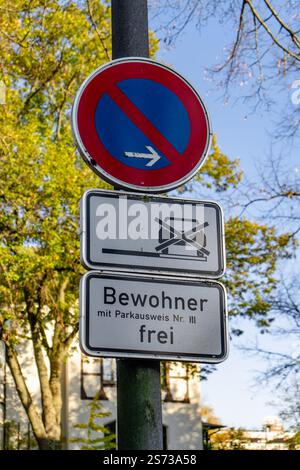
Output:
x,y
181,236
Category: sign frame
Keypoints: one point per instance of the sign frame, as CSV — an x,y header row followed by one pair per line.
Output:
x,y
171,271
105,175
168,356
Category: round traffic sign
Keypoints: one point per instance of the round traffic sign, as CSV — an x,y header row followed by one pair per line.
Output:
x,y
140,125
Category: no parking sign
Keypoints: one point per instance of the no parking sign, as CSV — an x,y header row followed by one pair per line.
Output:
x,y
140,125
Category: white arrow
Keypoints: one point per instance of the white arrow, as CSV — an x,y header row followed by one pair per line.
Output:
x,y
153,155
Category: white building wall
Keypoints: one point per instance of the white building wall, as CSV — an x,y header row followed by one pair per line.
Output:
x,y
182,420
184,427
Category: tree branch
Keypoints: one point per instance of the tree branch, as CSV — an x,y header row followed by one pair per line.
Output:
x,y
41,85
269,32
101,39
294,37
55,381
71,336
237,40
24,395
49,416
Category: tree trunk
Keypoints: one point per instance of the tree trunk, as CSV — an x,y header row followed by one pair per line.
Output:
x,y
49,444
55,385
49,415
47,438
24,395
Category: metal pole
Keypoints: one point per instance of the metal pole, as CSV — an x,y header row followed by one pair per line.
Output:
x,y
139,405
129,28
139,412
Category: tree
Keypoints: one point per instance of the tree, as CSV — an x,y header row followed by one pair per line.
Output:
x,y
228,439
276,199
106,440
208,415
283,364
262,58
276,196
217,436
288,404
47,48
44,50
263,54
253,248
260,61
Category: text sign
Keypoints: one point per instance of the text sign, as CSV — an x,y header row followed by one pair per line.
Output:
x,y
140,125
141,233
136,316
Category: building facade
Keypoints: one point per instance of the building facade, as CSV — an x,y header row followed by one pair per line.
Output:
x,y
83,378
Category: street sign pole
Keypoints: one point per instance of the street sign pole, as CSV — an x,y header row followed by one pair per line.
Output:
x,y
139,409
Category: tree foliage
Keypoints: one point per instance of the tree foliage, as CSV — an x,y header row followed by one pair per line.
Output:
x,y
290,404
228,439
219,172
47,48
97,436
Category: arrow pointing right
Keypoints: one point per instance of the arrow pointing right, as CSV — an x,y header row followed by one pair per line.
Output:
x,y
153,156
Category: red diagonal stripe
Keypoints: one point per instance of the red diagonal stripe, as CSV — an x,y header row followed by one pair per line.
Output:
x,y
143,123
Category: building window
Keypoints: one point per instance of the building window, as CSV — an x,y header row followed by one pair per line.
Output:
x,y
176,383
96,374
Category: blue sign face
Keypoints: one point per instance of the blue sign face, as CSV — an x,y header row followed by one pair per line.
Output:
x,y
130,143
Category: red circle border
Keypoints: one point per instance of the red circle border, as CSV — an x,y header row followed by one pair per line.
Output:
x,y
99,83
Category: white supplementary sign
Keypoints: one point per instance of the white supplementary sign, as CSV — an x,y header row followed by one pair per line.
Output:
x,y
139,316
140,233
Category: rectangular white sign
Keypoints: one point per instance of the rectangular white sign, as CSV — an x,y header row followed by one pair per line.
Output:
x,y
140,317
140,233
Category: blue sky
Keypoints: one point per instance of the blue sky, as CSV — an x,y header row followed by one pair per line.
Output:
x,y
232,391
